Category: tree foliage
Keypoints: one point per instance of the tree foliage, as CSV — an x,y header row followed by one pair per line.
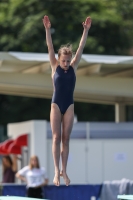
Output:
x,y
22,28
17,109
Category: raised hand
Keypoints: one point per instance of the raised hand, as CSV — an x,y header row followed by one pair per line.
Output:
x,y
87,23
46,22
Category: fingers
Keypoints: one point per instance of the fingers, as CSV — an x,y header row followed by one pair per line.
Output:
x,y
88,18
46,18
46,21
87,22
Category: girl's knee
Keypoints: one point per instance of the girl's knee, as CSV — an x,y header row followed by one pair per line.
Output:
x,y
56,139
65,140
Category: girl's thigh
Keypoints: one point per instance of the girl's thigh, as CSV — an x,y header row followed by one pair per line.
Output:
x,y
55,119
67,121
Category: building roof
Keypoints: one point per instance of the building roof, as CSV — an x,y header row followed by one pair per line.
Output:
x,y
100,78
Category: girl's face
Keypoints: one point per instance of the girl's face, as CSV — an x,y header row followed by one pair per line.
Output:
x,y
64,61
34,162
6,162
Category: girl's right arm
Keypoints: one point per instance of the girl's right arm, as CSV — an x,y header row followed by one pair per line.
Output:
x,y
53,60
21,174
22,178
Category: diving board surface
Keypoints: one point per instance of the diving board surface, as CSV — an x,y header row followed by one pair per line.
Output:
x,y
17,198
127,197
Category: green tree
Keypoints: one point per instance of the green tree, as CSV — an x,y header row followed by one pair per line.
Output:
x,y
22,28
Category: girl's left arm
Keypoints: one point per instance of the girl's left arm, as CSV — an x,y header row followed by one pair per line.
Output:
x,y
14,166
77,57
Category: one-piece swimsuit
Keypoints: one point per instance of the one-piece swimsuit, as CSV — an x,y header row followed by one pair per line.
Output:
x,y
64,84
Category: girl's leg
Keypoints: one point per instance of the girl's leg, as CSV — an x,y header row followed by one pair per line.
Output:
x,y
67,124
30,192
39,193
55,120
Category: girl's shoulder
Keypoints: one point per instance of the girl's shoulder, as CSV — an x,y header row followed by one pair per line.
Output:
x,y
26,168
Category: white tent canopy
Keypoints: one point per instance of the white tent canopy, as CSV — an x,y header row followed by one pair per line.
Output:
x,y
100,78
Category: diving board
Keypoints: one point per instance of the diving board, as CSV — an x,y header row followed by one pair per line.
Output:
x,y
17,198
127,197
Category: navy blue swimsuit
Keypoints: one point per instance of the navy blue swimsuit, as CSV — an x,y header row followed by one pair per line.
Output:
x,y
64,84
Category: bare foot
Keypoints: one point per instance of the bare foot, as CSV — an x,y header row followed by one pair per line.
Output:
x,y
66,179
56,180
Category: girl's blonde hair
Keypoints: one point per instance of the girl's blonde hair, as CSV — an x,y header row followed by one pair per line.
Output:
x,y
66,50
30,163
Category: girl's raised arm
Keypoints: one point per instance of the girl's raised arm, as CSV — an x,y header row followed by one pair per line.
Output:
x,y
47,25
77,57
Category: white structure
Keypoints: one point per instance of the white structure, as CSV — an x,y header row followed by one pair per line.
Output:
x,y
98,151
37,131
105,79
